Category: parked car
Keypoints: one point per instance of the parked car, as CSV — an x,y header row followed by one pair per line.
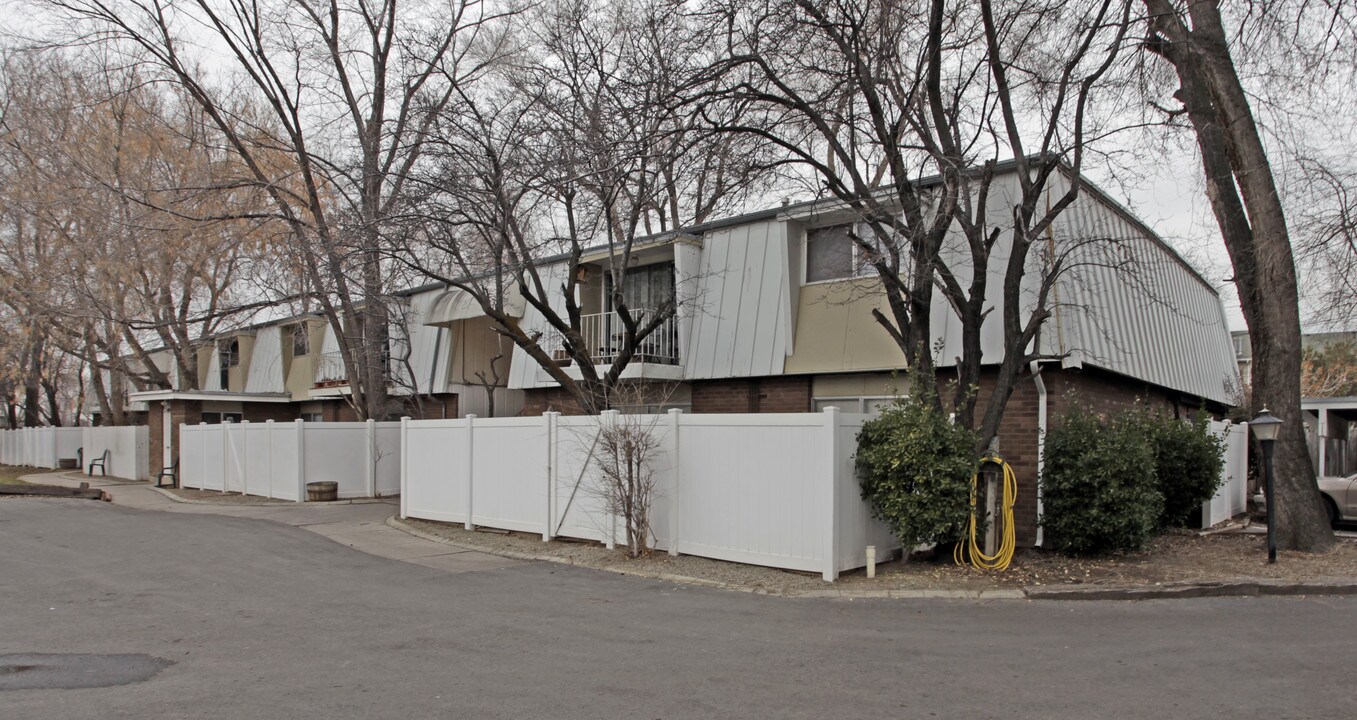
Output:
x,y
1339,494
1340,497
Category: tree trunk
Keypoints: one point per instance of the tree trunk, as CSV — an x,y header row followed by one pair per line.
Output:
x,y
1244,199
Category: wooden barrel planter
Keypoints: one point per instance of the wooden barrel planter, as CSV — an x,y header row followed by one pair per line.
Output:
x,y
324,491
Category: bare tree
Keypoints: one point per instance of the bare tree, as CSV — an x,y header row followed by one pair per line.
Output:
x,y
1192,38
902,113
347,91
625,456
108,181
578,147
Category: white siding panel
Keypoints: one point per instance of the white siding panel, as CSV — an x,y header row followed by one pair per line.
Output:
x,y
1130,306
266,362
744,304
523,370
427,346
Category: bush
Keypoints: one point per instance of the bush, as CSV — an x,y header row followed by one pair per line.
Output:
x,y
1098,487
915,467
1188,460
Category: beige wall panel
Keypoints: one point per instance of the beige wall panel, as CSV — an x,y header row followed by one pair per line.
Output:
x,y
835,330
474,344
870,385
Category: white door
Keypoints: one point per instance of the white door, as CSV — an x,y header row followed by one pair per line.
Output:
x,y
167,422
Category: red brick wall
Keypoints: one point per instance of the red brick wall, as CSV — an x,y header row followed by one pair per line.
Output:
x,y
181,412
1103,392
539,400
263,412
338,411
782,394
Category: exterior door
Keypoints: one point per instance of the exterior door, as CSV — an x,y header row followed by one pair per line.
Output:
x,y
167,436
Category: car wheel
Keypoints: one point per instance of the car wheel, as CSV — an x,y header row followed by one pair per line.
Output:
x,y
1331,509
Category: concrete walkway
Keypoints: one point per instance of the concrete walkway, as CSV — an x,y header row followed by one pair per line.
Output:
x,y
360,525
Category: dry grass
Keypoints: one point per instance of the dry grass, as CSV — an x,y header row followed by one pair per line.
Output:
x,y
9,474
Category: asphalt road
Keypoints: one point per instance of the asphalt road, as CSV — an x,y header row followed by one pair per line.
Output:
x,y
262,620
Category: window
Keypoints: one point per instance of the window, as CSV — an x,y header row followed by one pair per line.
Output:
x,y
301,340
645,288
229,352
870,405
312,417
832,254
217,418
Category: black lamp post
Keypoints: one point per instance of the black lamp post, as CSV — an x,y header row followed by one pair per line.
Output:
x,y
1265,427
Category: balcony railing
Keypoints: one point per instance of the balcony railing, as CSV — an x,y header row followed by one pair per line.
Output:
x,y
330,370
604,335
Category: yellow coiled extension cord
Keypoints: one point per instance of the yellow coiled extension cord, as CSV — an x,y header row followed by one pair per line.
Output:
x,y
969,549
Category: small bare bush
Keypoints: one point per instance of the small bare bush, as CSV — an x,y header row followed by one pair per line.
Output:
x,y
627,446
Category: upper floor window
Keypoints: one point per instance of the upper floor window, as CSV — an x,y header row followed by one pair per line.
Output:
x,y
833,254
301,340
647,287
229,352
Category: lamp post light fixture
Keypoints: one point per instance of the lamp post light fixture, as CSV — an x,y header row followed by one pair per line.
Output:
x,y
1265,427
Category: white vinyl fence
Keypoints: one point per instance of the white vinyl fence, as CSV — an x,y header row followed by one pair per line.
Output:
x,y
277,460
43,447
128,449
766,489
1232,497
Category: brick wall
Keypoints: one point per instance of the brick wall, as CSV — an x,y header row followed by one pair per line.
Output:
x,y
782,394
539,400
1103,392
263,412
337,411
181,411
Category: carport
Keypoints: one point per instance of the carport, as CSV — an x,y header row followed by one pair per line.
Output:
x,y
1331,432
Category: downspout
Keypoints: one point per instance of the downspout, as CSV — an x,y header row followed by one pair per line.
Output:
x,y
1041,443
433,371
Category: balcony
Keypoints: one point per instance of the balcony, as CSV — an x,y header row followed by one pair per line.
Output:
x,y
330,370
604,335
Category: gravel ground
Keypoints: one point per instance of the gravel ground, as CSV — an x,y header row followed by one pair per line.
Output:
x,y
1173,557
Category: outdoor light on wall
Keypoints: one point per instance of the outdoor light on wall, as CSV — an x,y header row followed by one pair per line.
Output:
x,y
1265,427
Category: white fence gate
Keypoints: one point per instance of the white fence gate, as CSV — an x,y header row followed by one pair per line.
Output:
x,y
1232,497
277,460
43,447
127,446
766,489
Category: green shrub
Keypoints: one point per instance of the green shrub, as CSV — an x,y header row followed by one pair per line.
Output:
x,y
915,467
1098,486
1188,460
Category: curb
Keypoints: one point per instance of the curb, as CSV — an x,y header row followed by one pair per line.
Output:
x,y
1242,587
991,594
189,501
280,503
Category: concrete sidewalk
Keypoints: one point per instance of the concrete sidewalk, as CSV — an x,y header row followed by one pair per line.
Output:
x,y
358,525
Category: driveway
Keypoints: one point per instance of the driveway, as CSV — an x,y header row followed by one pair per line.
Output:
x,y
261,619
